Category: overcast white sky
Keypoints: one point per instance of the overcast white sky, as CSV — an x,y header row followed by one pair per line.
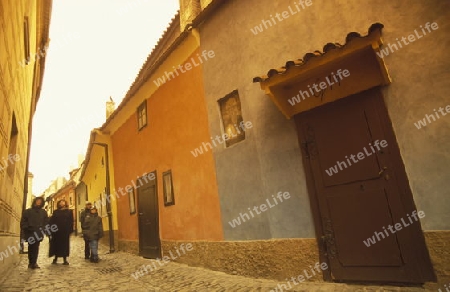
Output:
x,y
96,50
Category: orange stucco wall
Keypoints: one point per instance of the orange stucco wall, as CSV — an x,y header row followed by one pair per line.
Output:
x,y
66,193
177,124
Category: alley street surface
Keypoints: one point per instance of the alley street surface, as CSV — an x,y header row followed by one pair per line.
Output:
x,y
113,273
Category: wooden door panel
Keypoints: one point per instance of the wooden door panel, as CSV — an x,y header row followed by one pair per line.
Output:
x,y
365,212
148,218
333,135
360,198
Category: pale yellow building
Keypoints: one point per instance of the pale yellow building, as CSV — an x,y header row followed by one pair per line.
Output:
x,y
97,173
24,28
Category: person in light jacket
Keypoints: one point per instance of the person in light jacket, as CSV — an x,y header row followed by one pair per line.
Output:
x,y
93,232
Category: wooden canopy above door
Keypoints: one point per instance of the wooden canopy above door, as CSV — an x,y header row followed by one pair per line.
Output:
x,y
319,78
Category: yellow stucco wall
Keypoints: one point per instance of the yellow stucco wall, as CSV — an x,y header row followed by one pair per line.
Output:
x,y
95,179
17,99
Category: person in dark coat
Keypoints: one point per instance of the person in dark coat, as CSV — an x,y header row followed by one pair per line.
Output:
x,y
32,225
94,231
86,211
60,242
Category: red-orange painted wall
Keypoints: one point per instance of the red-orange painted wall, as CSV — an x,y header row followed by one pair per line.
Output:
x,y
67,193
177,124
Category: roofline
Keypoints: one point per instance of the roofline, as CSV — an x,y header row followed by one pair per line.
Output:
x,y
74,171
64,187
44,12
329,47
47,11
153,62
150,67
207,12
88,153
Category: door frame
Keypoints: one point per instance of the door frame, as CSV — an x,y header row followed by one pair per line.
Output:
x,y
155,183
313,200
405,194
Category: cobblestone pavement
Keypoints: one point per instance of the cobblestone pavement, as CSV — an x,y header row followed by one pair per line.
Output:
x,y
113,273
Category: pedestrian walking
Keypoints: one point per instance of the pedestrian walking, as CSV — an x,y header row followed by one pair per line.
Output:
x,y
94,231
32,225
86,211
60,241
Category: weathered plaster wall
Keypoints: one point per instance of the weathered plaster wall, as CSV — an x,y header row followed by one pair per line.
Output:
x,y
282,259
177,124
95,180
272,259
438,246
16,98
421,74
269,160
80,192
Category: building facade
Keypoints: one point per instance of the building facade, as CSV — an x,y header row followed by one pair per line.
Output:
x,y
304,138
50,191
97,174
318,87
165,190
66,193
24,27
81,196
30,196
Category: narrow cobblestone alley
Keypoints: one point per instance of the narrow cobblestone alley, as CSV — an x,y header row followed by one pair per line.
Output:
x,y
113,273
224,145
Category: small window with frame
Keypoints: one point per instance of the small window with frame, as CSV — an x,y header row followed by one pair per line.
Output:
x,y
131,200
142,115
169,198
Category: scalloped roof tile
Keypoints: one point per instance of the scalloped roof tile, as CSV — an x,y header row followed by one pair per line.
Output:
x,y
308,56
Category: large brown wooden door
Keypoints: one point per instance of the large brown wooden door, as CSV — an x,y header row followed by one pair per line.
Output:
x,y
148,216
362,194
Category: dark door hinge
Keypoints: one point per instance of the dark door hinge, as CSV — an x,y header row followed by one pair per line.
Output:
x,y
305,146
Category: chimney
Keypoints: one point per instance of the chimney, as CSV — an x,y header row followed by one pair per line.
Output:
x,y
189,9
80,159
110,107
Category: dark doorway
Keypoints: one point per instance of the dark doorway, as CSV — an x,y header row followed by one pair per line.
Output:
x,y
148,216
353,200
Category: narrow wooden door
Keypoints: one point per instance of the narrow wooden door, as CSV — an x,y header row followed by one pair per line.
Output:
x,y
148,216
358,188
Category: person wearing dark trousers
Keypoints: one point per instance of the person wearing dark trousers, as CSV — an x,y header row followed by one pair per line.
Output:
x,y
94,231
62,218
32,224
86,211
